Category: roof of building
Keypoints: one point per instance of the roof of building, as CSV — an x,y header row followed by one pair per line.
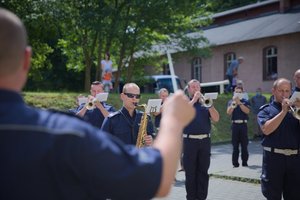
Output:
x,y
268,25
243,8
257,28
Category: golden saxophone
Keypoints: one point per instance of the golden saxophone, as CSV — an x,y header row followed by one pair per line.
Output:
x,y
140,142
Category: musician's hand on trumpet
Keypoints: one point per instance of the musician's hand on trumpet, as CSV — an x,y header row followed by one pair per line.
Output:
x,y
286,105
235,102
293,107
196,97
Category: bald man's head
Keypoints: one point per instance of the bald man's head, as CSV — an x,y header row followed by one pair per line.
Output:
x,y
13,41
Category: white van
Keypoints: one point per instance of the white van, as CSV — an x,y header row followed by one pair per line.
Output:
x,y
156,82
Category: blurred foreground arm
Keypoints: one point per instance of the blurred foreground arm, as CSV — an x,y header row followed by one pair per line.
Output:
x,y
177,114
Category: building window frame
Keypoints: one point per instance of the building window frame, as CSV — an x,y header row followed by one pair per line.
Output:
x,y
270,63
197,69
228,58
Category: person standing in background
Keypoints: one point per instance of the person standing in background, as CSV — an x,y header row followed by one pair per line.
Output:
x,y
297,81
163,95
256,102
239,110
106,68
232,71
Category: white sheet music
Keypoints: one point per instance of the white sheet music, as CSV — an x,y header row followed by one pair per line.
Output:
x,y
153,105
212,95
239,95
294,96
82,100
102,96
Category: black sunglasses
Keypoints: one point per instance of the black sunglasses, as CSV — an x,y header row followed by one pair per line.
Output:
x,y
130,95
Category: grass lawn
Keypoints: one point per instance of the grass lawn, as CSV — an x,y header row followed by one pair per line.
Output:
x,y
65,100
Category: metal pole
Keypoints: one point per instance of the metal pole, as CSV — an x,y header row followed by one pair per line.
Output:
x,y
174,83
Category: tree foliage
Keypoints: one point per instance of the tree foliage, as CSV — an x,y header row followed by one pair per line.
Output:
x,y
69,38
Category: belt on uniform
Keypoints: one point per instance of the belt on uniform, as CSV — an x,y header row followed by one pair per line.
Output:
x,y
239,121
199,137
286,152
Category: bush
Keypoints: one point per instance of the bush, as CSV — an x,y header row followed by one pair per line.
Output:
x,y
64,101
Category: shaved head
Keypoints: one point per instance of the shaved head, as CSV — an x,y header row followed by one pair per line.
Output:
x,y
13,41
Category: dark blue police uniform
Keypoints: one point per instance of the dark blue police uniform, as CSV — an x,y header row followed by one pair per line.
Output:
x,y
239,130
94,116
47,155
281,160
157,120
196,153
125,127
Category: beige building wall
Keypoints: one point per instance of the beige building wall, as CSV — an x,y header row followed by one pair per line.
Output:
x,y
251,71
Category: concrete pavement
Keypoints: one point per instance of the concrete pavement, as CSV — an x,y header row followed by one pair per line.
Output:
x,y
226,182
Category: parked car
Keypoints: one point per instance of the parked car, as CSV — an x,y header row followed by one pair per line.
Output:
x,y
155,82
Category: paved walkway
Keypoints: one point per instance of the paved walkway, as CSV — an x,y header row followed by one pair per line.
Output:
x,y
221,188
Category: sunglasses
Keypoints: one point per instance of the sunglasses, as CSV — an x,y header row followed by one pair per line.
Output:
x,y
130,95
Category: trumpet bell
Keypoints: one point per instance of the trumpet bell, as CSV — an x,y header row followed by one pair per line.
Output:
x,y
296,113
233,105
206,102
91,104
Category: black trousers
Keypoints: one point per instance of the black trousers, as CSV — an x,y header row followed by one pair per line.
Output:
x,y
239,137
280,176
196,161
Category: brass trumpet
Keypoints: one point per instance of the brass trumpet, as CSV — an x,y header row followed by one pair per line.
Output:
x,y
206,101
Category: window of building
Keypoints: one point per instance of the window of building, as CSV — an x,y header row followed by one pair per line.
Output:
x,y
197,69
228,58
270,63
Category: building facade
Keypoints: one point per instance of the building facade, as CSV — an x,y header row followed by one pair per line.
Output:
x,y
266,34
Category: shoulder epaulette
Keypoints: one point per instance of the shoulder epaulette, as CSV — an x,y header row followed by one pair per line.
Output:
x,y
69,113
113,114
264,106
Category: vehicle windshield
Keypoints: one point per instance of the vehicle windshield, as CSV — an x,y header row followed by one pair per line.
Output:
x,y
167,83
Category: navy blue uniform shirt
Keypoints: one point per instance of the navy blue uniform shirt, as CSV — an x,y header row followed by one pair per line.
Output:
x,y
47,155
201,123
125,127
287,135
94,116
157,120
237,113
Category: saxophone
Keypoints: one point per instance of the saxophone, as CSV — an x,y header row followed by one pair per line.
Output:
x,y
140,142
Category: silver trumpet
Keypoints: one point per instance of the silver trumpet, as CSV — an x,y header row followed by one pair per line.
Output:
x,y
206,101
233,104
91,104
296,112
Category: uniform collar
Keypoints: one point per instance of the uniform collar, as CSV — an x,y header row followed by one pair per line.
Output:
x,y
10,96
126,113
